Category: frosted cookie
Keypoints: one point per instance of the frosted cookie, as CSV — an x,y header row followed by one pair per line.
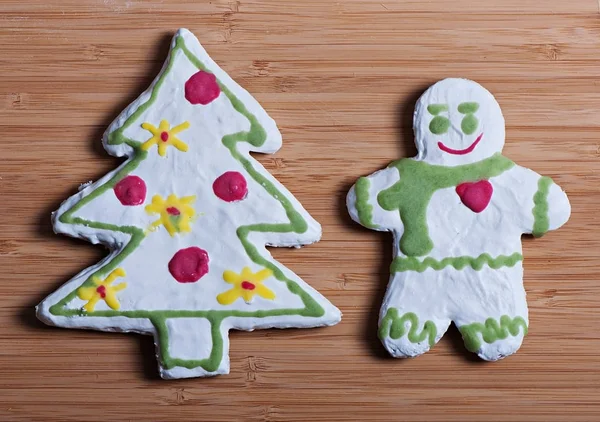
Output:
x,y
187,218
457,212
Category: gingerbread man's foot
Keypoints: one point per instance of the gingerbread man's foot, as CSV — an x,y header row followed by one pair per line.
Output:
x,y
494,339
406,334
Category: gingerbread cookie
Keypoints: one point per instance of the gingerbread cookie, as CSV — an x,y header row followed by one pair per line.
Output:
x,y
187,218
457,211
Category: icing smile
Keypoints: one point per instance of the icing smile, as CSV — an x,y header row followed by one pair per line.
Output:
x,y
460,151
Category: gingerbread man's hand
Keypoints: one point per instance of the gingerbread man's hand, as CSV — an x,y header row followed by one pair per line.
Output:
x,y
364,207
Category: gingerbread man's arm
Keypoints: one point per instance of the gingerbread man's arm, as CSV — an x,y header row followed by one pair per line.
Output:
x,y
363,205
543,204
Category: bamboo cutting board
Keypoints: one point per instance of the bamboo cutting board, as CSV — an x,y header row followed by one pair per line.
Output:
x,y
341,79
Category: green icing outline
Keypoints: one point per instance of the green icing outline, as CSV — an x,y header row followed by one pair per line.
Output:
x,y
363,208
256,136
401,264
418,182
541,223
491,331
395,327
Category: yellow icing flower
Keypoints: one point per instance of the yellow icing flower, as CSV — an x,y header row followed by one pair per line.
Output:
x,y
164,136
102,290
175,213
246,285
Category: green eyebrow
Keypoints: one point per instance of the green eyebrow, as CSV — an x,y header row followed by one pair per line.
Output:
x,y
468,108
436,109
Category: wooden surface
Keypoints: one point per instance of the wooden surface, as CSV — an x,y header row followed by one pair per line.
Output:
x,y
341,79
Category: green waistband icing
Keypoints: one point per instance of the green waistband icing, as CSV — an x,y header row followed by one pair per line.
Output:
x,y
417,184
400,264
541,224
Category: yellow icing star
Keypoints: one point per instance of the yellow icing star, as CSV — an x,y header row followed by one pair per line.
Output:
x,y
102,290
246,285
175,213
163,137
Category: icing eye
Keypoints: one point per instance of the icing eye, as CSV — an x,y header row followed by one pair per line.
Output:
x,y
469,124
439,125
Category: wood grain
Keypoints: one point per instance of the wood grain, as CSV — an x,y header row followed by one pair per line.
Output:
x,y
341,79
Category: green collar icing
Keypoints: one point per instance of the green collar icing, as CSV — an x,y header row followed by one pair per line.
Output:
x,y
417,184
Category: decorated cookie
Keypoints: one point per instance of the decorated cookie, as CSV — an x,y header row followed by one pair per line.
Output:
x,y
457,212
187,217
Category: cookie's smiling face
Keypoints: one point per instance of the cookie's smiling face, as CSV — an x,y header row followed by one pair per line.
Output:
x,y
457,121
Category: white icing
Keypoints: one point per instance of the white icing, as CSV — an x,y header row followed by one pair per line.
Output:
x,y
464,296
150,286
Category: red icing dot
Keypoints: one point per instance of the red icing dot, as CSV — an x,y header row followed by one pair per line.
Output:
x,y
248,286
173,211
131,190
189,265
164,136
231,186
102,291
202,88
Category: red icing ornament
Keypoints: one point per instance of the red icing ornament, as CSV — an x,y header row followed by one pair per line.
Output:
x,y
101,291
202,88
189,265
476,196
164,136
248,286
231,186
131,190
173,211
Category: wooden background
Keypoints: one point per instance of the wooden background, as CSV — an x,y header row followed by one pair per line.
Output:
x,y
341,79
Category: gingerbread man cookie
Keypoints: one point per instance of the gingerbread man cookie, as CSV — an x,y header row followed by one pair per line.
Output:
x,y
457,212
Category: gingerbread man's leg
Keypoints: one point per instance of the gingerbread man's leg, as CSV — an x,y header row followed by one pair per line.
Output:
x,y
491,310
414,313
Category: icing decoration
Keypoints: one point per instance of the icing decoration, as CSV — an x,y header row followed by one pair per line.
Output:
x,y
418,181
131,191
365,210
246,285
491,331
540,208
163,137
189,265
436,109
468,108
439,125
395,327
231,186
400,264
202,88
311,310
476,195
457,212
465,151
175,213
102,290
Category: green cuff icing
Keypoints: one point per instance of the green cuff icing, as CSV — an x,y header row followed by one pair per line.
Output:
x,y
400,264
395,327
363,208
417,184
491,331
540,207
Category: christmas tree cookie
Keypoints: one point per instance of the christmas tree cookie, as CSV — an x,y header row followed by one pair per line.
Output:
x,y
457,212
187,217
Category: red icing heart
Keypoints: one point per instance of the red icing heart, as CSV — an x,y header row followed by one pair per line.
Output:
x,y
476,196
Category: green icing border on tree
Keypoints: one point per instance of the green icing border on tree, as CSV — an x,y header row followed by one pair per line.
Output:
x,y
256,136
